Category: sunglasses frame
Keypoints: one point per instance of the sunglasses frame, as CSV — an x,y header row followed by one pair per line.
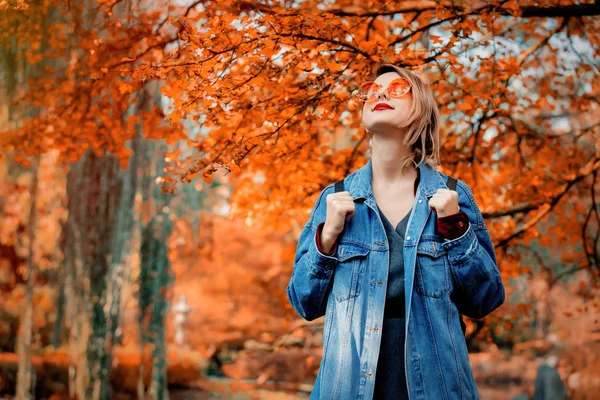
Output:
x,y
375,95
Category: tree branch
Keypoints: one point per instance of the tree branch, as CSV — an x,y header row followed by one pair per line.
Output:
x,y
592,166
579,10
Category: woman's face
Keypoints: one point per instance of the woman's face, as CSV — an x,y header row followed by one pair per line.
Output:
x,y
387,121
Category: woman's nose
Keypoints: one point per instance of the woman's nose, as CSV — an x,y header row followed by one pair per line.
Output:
x,y
382,92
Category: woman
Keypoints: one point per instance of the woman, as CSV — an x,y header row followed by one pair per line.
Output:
x,y
392,260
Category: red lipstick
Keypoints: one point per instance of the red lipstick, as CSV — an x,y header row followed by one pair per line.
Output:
x,y
382,106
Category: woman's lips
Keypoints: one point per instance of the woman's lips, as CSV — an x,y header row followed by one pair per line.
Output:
x,y
383,106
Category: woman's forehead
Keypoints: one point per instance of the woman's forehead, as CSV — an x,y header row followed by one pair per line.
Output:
x,y
387,77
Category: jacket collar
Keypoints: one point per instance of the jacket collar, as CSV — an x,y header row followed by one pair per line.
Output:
x,y
429,182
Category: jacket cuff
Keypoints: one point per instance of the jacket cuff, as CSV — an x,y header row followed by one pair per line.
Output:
x,y
319,259
318,241
453,226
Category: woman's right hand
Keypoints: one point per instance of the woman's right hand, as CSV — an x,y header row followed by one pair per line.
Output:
x,y
340,206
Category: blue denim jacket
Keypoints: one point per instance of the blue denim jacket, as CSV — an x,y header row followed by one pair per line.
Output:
x,y
442,278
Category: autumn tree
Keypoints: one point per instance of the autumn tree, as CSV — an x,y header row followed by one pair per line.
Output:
x,y
100,190
264,91
271,86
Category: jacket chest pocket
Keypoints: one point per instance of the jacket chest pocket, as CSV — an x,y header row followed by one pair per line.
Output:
x,y
348,274
432,269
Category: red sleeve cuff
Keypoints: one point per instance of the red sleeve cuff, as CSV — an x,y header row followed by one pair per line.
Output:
x,y
318,240
453,226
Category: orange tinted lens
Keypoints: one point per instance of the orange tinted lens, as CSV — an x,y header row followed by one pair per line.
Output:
x,y
368,90
399,87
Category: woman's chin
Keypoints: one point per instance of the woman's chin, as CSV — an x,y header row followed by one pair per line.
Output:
x,y
384,130
381,126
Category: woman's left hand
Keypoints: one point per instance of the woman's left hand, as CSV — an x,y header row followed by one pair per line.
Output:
x,y
444,202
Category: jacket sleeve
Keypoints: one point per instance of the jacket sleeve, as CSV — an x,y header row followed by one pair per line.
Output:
x,y
312,276
333,250
452,226
478,287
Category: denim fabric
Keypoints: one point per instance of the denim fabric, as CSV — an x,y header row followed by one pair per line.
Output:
x,y
442,278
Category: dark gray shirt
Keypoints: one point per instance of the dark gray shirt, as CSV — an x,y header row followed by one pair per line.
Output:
x,y
395,282
390,378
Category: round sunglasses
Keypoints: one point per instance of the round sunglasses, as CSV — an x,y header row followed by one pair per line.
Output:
x,y
369,91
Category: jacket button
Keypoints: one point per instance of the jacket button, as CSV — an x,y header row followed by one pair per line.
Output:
x,y
408,238
420,200
368,374
460,224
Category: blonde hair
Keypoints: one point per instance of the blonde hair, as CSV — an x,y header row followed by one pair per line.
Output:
x,y
422,133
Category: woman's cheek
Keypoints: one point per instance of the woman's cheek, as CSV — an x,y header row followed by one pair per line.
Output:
x,y
366,118
400,117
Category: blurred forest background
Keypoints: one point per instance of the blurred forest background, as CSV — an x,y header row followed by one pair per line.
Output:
x,y
158,160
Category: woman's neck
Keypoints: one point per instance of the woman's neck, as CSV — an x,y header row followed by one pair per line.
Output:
x,y
388,158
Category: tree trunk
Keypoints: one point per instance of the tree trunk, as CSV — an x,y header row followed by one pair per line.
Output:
x,y
26,374
98,230
155,272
